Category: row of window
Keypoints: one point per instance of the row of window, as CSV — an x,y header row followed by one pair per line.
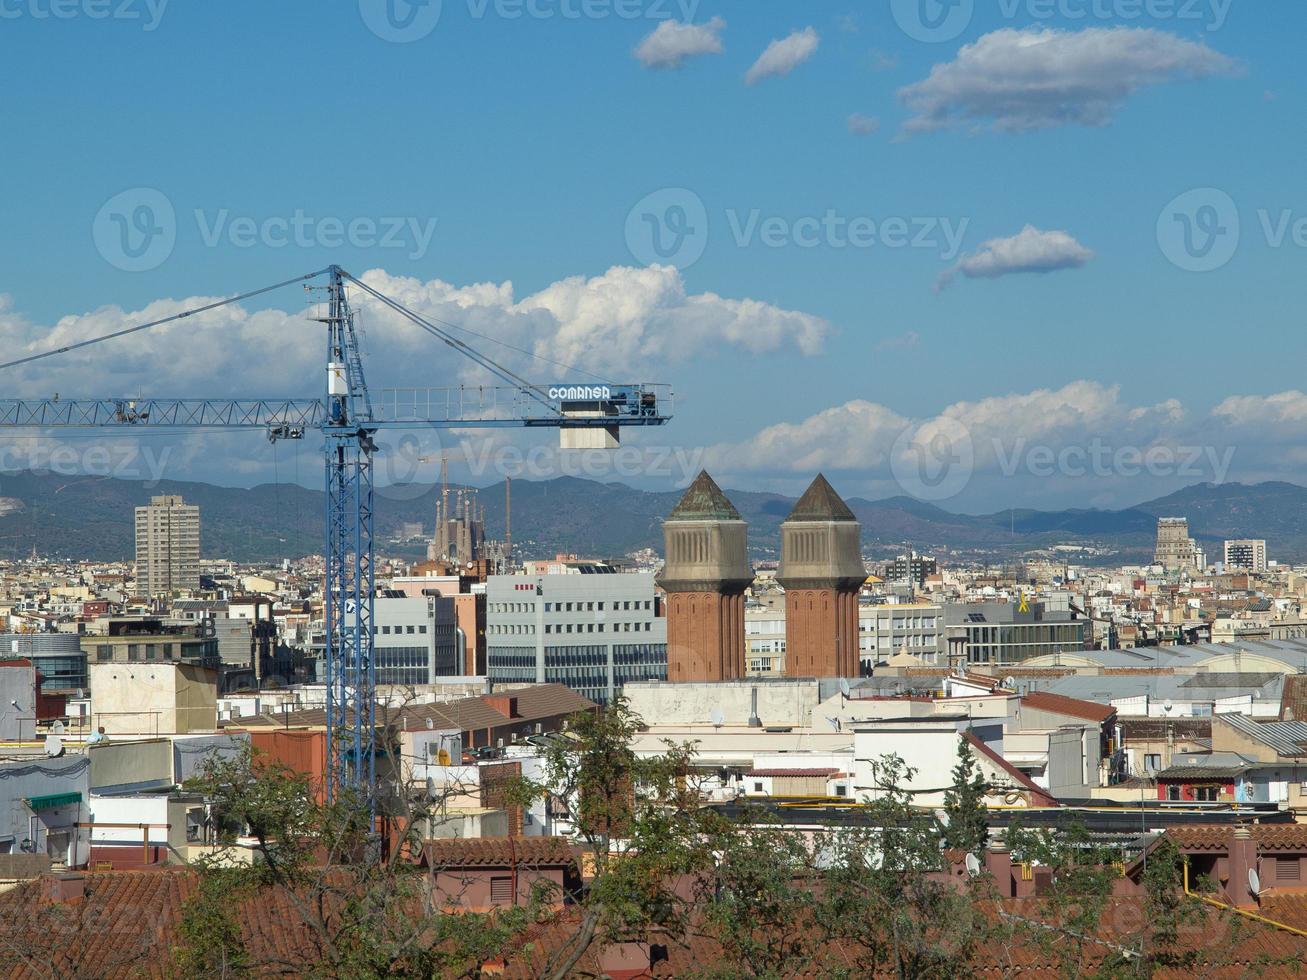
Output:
x,y
597,605
528,629
866,624
401,657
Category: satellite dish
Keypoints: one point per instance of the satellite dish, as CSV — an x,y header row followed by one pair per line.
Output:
x,y
57,728
717,717
844,686
54,746
973,866
834,723
1010,682
1254,882
430,724
1167,706
431,788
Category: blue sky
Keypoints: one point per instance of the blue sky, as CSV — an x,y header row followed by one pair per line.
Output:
x,y
528,140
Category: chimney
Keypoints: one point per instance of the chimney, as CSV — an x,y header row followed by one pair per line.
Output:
x,y
505,704
998,862
64,888
1243,858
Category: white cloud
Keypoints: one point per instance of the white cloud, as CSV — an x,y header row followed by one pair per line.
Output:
x,y
1030,250
1078,445
626,325
861,125
623,323
782,56
1038,78
672,42
626,320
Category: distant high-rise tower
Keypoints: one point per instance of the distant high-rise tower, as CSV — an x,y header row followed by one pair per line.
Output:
x,y
167,546
822,573
1176,551
705,575
1247,554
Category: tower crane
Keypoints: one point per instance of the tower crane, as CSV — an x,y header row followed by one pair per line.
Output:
x,y
587,415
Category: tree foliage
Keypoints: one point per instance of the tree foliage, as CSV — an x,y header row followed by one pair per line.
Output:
x,y
877,893
964,804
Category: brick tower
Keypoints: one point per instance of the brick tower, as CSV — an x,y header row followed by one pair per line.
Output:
x,y
705,575
821,572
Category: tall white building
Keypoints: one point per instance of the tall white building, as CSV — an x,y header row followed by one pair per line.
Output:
x,y
593,632
167,546
1247,553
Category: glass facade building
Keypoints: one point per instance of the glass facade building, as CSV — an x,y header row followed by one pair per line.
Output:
x,y
593,633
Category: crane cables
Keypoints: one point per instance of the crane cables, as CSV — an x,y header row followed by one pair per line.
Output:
x,y
494,367
156,323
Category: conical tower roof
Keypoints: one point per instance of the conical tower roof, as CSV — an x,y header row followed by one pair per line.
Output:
x,y
704,501
820,502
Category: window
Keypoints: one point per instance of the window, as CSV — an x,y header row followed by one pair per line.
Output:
x,y
757,787
501,890
1152,762
841,790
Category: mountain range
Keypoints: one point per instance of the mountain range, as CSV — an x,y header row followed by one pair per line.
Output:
x,y
92,517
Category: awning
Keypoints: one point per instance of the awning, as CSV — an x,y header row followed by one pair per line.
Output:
x,y
38,803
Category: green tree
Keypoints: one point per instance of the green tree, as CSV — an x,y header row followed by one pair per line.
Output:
x,y
883,889
639,820
353,911
964,804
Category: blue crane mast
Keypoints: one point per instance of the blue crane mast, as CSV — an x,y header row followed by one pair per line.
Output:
x,y
348,421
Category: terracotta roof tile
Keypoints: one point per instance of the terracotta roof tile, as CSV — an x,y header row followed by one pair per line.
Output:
x,y
498,852
1061,704
1215,837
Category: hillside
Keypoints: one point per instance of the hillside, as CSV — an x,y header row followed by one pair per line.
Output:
x,y
92,517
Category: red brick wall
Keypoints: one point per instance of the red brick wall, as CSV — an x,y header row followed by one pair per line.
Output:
x,y
821,633
705,636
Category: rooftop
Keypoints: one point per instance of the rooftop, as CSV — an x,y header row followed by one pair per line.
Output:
x,y
704,500
820,502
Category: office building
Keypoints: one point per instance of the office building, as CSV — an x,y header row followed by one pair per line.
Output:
x,y
167,546
886,631
995,634
146,640
415,640
821,571
911,568
58,657
705,575
1247,554
593,633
